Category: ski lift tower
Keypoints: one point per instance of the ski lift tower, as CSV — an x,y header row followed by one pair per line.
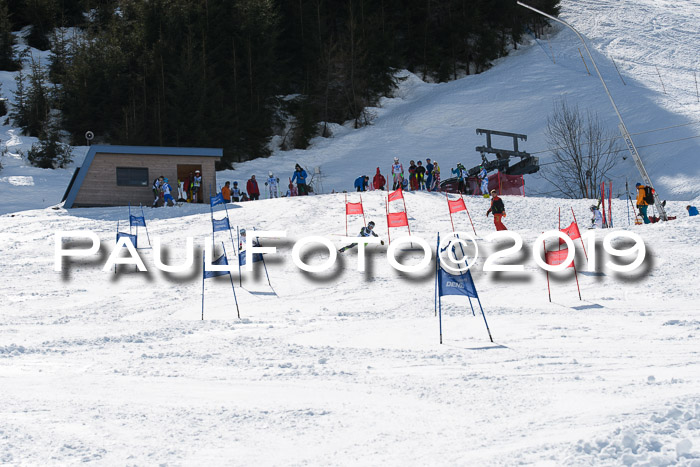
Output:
x,y
623,128
527,165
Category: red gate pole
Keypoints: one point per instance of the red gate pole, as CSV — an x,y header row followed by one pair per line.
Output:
x,y
448,208
549,291
579,234
468,215
388,229
363,211
576,276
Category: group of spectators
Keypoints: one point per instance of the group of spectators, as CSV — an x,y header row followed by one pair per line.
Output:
x,y
233,193
420,177
189,190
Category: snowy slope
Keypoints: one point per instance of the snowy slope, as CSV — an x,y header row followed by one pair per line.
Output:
x,y
345,367
439,120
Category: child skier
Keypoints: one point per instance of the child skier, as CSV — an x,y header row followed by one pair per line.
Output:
x,y
420,176
483,175
597,219
167,197
397,173
271,185
196,184
364,232
157,191
436,177
235,193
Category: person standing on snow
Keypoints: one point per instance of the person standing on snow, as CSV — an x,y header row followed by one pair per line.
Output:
x,y
436,177
378,181
397,173
483,176
428,174
460,171
364,232
226,192
196,185
252,187
271,185
412,180
597,219
643,201
361,183
235,193
420,176
167,197
157,190
498,209
300,178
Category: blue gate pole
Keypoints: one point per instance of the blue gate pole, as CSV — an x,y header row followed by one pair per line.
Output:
x,y
230,276
482,314
203,254
145,227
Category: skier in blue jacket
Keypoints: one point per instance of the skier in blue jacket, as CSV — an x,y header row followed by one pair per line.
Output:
x,y
300,178
361,183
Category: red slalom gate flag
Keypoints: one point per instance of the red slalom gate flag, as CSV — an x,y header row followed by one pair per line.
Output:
x,y
397,219
557,257
456,205
398,194
353,208
572,231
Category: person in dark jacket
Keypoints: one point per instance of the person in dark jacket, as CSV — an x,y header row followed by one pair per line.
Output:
x,y
428,174
420,176
361,183
364,232
252,187
498,209
300,178
378,181
412,179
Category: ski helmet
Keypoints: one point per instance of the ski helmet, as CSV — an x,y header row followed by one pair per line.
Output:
x,y
242,232
593,207
270,174
371,224
396,159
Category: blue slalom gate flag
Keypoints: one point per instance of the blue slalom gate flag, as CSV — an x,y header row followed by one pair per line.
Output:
x,y
242,257
214,200
134,238
221,224
463,284
217,262
136,221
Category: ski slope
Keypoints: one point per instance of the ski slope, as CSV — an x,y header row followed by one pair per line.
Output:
x,y
345,367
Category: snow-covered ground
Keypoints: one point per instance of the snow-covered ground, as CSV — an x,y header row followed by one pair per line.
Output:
x,y
345,367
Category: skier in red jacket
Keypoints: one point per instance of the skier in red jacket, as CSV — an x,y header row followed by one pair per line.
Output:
x,y
252,187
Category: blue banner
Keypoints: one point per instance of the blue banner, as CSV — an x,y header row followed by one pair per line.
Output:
x,y
242,257
130,236
221,224
214,200
219,262
137,221
462,284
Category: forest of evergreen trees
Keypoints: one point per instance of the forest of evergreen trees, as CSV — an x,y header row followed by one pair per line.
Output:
x,y
219,73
